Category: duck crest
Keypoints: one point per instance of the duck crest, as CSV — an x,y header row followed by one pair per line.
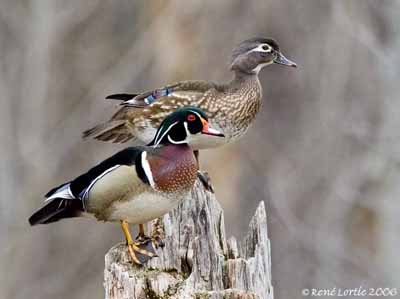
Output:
x,y
173,168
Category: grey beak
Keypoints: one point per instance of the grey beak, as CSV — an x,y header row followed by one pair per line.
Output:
x,y
280,59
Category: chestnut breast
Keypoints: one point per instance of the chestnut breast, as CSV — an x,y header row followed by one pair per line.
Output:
x,y
174,168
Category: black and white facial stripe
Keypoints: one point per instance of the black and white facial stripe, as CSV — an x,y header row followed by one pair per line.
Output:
x,y
196,126
162,134
181,126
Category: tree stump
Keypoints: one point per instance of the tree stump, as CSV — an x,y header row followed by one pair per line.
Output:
x,y
197,261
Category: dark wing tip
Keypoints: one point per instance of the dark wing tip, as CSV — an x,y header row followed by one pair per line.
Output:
x,y
121,96
54,190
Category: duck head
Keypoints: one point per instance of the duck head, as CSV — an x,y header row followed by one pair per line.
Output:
x,y
188,125
251,55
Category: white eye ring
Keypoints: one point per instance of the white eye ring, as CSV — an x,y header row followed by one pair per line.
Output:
x,y
261,48
266,48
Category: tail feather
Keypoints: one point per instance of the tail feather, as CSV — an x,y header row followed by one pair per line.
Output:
x,y
57,209
113,131
121,96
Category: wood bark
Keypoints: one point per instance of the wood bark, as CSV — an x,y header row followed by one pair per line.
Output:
x,y
197,260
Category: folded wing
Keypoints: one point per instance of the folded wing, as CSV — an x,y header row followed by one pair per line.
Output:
x,y
70,199
150,106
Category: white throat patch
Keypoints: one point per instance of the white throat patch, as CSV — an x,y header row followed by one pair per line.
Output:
x,y
258,68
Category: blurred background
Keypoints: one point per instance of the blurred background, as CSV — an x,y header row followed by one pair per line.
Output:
x,y
324,152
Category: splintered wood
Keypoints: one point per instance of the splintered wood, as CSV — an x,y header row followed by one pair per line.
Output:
x,y
197,261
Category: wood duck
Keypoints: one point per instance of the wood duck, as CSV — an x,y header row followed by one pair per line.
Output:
x,y
231,107
137,184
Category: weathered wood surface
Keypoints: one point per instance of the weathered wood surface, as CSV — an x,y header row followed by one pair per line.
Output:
x,y
197,260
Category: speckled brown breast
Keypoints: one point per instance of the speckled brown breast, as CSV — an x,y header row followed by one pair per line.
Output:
x,y
174,168
233,110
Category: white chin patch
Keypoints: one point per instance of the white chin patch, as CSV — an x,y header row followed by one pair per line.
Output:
x,y
260,66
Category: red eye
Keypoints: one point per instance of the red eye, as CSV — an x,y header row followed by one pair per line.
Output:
x,y
191,117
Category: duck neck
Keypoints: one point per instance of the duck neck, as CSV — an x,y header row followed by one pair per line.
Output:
x,y
239,75
175,151
243,81
246,89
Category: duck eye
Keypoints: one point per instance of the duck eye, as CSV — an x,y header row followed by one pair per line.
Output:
x,y
266,48
191,117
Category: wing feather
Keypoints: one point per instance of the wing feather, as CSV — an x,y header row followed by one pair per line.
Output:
x,y
127,157
186,87
146,110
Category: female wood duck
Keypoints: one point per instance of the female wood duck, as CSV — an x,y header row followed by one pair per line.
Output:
x,y
137,184
230,107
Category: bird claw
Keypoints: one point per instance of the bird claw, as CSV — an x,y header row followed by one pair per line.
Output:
x,y
142,251
205,180
142,239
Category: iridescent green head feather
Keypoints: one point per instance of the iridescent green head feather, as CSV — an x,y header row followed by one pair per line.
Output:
x,y
182,126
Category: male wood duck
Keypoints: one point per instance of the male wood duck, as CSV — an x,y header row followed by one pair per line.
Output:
x,y
230,107
137,184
